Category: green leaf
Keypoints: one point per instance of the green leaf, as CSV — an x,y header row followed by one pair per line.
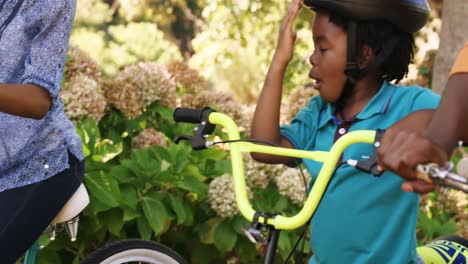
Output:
x,y
192,184
448,228
156,213
130,214
89,133
164,112
282,204
224,236
213,154
143,165
206,230
86,150
122,174
144,228
193,170
95,206
114,135
285,243
92,130
180,163
138,169
179,156
178,208
129,196
189,213
203,254
217,168
245,250
135,125
268,199
238,223
103,187
114,220
165,178
106,150
165,165
160,153
92,166
47,257
76,260
203,231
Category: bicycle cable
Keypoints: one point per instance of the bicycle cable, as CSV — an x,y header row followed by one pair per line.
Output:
x,y
307,224
296,161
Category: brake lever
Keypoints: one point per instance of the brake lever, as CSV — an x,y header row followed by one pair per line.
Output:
x,y
198,140
431,172
370,165
178,139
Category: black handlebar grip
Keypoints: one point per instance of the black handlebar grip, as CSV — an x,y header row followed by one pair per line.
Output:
x,y
189,115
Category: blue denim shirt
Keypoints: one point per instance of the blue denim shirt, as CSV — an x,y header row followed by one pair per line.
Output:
x,y
34,38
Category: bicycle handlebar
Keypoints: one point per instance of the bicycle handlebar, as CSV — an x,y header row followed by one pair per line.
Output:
x,y
431,172
207,117
237,148
194,116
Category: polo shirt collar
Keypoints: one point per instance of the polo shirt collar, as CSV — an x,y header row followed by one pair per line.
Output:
x,y
377,105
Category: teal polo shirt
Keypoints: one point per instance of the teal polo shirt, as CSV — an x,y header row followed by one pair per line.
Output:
x,y
361,218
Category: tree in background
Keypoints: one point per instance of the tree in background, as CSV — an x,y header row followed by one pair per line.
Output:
x,y
229,42
453,35
118,33
235,47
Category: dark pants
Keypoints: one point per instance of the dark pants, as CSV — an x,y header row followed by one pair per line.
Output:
x,y
25,212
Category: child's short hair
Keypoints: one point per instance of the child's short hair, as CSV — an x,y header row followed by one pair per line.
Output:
x,y
376,34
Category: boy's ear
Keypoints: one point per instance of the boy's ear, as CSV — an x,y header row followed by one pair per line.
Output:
x,y
366,57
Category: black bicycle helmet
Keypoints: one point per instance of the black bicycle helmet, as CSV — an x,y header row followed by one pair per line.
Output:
x,y
407,15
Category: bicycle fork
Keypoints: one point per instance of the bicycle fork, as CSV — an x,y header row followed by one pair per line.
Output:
x,y
254,234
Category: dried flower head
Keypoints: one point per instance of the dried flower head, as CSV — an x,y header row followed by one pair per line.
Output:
x,y
291,184
298,100
80,63
188,80
221,196
82,97
149,137
138,86
259,175
222,102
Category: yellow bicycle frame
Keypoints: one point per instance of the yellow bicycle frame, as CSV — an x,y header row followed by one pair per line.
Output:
x,y
329,160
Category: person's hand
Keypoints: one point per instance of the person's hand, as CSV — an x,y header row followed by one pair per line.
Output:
x,y
401,151
287,36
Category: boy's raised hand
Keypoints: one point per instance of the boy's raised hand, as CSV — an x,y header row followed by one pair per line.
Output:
x,y
287,36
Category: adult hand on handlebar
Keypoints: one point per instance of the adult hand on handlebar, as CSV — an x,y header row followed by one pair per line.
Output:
x,y
287,36
401,151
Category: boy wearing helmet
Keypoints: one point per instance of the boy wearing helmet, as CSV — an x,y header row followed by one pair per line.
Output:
x,y
360,46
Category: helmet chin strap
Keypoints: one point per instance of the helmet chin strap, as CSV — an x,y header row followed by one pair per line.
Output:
x,y
352,70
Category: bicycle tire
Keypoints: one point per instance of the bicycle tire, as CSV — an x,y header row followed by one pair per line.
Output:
x,y
134,251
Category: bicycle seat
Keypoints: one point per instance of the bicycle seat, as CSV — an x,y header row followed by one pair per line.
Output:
x,y
76,204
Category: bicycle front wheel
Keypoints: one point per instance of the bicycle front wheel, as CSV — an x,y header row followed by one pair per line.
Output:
x,y
134,251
